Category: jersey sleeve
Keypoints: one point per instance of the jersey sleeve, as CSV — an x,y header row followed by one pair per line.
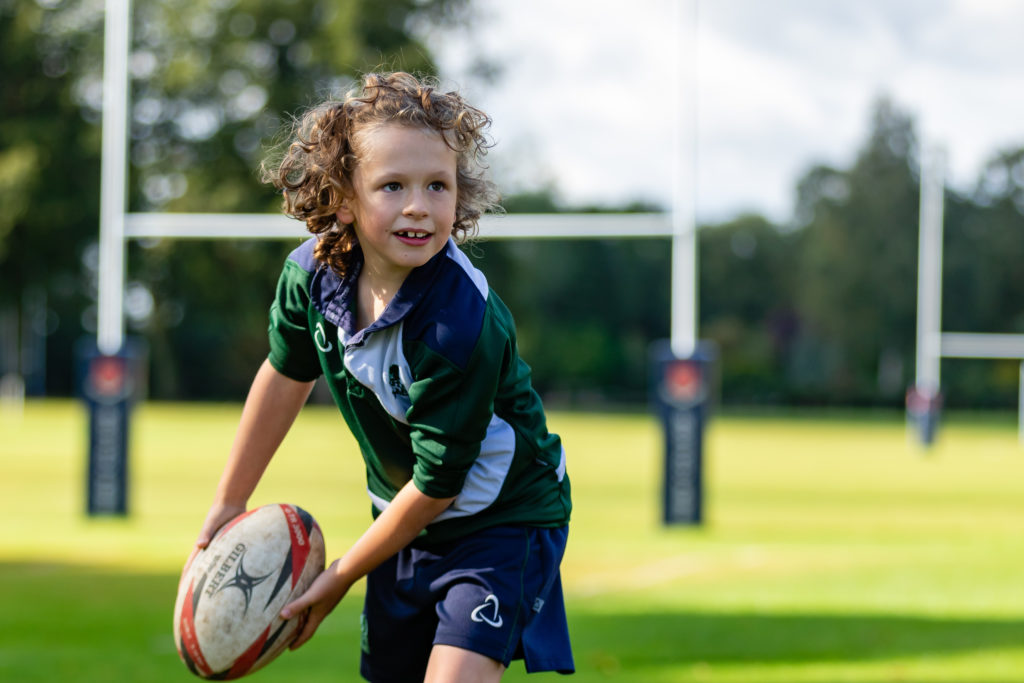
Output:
x,y
292,351
451,408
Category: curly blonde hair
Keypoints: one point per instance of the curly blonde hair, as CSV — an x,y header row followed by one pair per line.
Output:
x,y
315,173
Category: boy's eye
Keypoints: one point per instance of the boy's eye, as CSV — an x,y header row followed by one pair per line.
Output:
x,y
436,186
392,187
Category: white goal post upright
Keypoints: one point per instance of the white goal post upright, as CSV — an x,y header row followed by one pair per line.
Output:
x,y
683,338
929,271
113,177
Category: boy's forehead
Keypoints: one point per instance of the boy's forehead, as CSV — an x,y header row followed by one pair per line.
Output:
x,y
395,140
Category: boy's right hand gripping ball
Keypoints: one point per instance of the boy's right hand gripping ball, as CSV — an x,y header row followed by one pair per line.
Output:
x,y
227,616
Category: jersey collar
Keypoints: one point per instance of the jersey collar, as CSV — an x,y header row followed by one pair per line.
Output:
x,y
335,298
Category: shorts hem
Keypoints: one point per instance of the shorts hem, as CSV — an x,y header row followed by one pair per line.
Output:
x,y
535,667
498,653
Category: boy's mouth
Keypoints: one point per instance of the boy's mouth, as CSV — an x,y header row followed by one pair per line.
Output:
x,y
413,236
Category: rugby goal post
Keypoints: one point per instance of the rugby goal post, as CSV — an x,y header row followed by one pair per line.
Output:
x,y
932,343
116,225
683,493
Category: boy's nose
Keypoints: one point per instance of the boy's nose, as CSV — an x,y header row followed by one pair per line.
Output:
x,y
417,205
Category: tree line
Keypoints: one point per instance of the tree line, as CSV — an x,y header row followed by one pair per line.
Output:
x,y
820,310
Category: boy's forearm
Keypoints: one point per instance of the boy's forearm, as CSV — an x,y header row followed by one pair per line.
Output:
x,y
407,515
270,409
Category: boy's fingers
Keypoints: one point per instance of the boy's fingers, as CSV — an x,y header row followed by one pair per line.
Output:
x,y
306,630
204,537
312,607
293,608
218,516
300,604
313,595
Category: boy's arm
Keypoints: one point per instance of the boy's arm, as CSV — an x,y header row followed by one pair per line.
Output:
x,y
270,409
409,512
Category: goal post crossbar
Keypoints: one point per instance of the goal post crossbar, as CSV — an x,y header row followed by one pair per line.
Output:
x,y
989,346
981,345
279,226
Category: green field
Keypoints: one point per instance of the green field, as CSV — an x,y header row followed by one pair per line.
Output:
x,y
834,550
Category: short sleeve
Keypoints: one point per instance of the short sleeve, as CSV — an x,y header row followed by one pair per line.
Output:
x,y
451,409
292,352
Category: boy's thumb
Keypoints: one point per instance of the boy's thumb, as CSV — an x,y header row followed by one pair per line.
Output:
x,y
292,608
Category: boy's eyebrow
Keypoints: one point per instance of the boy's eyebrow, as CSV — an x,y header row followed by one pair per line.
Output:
x,y
444,172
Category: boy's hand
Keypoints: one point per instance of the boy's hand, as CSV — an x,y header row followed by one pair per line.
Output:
x,y
316,603
219,515
409,512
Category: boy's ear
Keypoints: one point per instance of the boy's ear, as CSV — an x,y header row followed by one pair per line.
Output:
x,y
344,213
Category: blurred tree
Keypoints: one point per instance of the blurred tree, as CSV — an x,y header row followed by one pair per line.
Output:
x,y
983,284
586,311
858,269
990,231
49,195
211,81
822,311
747,289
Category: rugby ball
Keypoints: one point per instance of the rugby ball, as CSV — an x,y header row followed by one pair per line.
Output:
x,y
227,615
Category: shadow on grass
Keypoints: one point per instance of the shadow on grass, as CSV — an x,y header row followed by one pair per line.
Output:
x,y
717,637
63,622
69,623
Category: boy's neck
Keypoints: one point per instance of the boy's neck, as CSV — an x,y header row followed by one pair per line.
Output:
x,y
373,294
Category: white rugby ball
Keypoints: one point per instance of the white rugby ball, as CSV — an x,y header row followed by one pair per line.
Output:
x,y
227,615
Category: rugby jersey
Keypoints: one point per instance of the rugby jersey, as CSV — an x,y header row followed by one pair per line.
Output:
x,y
434,391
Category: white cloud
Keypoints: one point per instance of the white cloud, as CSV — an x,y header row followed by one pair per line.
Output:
x,y
586,93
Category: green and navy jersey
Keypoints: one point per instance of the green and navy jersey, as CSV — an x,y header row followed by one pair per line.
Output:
x,y
434,391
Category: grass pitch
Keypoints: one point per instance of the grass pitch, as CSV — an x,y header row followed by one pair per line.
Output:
x,y
834,549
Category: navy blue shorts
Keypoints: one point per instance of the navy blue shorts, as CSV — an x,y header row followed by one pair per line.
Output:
x,y
497,592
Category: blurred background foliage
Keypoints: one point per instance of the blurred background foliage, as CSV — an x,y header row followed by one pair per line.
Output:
x,y
820,310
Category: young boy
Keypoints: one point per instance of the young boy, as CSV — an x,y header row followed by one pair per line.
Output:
x,y
470,497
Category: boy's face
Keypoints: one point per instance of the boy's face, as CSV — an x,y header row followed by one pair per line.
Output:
x,y
404,195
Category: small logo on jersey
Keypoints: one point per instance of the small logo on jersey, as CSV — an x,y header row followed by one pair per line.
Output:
x,y
491,603
320,338
395,380
364,629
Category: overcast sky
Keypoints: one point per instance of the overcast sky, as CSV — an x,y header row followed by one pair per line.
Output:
x,y
584,99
